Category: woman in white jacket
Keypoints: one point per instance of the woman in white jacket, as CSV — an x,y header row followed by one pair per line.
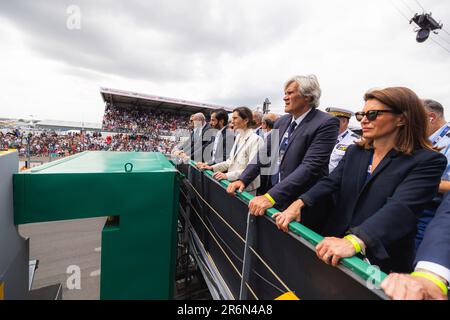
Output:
x,y
245,148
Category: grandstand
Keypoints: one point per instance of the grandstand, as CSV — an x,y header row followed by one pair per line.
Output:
x,y
131,122
127,112
123,98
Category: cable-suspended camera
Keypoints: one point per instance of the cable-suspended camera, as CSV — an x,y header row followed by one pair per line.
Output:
x,y
426,24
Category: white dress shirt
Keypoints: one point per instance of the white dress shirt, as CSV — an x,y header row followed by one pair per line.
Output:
x,y
216,142
441,271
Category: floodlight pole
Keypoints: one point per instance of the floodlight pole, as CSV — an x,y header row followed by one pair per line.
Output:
x,y
266,106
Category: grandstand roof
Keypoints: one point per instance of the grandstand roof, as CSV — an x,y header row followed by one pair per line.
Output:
x,y
57,124
121,97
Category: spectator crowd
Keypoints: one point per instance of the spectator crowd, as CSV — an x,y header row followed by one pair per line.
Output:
x,y
130,129
142,120
51,143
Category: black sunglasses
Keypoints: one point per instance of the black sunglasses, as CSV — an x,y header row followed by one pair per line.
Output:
x,y
371,115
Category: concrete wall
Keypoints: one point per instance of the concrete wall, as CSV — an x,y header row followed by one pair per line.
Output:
x,y
14,250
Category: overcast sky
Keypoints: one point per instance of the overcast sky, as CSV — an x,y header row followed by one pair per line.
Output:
x,y
232,53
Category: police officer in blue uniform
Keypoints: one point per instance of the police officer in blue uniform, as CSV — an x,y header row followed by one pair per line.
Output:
x,y
439,131
345,138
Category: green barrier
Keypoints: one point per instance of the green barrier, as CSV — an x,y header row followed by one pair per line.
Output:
x,y
363,269
139,190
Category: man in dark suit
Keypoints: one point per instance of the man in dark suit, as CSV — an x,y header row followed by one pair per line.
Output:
x,y
431,276
196,147
267,124
224,138
257,119
299,147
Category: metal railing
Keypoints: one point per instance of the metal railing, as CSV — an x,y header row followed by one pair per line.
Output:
x,y
253,259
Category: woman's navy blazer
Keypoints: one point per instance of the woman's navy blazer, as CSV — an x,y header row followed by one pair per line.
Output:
x,y
380,209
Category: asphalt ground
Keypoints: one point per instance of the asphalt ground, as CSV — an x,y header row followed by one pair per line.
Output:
x,y
66,249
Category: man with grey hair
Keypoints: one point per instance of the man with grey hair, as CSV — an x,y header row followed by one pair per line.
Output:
x,y
257,119
299,149
200,138
439,135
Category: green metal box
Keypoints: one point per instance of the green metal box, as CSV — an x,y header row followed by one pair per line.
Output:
x,y
139,189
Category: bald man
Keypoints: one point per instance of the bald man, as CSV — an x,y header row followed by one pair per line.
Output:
x,y
267,123
257,119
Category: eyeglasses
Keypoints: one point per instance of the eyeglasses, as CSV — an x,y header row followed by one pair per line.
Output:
x,y
371,115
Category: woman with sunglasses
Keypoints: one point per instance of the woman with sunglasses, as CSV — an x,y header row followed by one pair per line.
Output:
x,y
381,185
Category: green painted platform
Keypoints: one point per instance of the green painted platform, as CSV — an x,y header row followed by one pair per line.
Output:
x,y
138,246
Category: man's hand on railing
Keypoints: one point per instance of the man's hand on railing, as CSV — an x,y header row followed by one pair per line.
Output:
x,y
180,155
220,176
406,287
200,165
293,212
203,166
330,250
235,185
258,205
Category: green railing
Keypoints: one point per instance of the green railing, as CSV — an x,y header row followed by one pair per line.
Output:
x,y
354,264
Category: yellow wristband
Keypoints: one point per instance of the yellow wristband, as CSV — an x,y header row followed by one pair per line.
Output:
x,y
354,243
270,198
432,278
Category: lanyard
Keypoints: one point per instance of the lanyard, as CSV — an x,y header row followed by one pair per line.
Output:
x,y
216,140
369,168
287,136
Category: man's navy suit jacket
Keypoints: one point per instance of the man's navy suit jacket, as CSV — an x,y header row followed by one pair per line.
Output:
x,y
435,246
305,159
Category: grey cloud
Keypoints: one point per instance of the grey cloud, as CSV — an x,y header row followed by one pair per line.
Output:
x,y
252,99
189,35
219,26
